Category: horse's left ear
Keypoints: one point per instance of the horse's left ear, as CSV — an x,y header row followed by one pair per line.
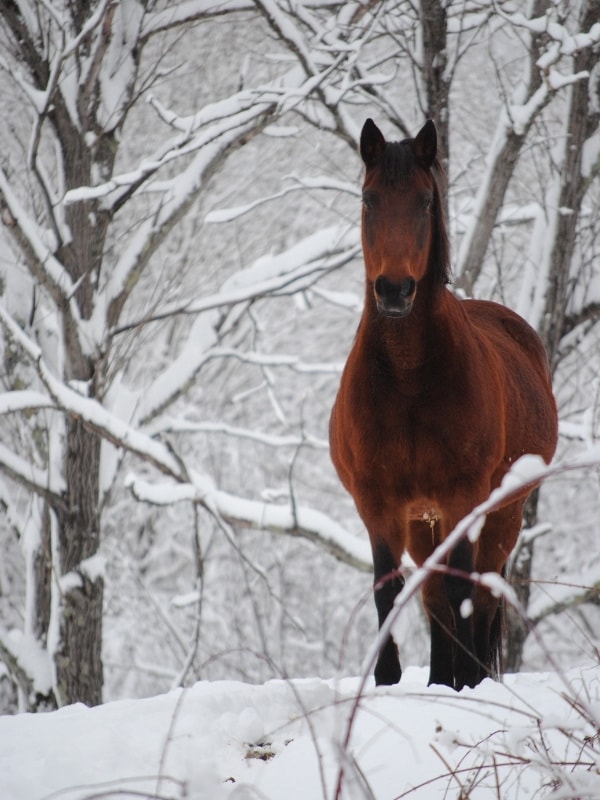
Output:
x,y
425,145
372,143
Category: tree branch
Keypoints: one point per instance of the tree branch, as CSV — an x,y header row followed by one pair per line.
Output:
x,y
42,263
578,597
299,521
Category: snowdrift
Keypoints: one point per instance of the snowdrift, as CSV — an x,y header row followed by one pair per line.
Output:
x,y
532,736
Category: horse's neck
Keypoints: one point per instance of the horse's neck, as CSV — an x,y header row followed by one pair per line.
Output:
x,y
414,341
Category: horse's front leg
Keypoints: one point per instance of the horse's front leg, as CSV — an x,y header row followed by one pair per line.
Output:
x,y
441,628
460,592
387,585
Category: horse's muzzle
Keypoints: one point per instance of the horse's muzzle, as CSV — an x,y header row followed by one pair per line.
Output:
x,y
394,299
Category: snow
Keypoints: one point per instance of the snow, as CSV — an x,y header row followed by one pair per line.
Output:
x,y
531,735
32,658
590,154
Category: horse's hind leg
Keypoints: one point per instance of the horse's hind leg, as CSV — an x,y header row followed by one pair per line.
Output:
x,y
387,585
496,542
488,634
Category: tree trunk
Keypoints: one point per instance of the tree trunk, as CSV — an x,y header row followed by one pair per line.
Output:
x,y
517,628
583,120
503,157
79,670
436,80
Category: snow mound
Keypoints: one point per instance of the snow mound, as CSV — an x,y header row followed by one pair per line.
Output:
x,y
530,736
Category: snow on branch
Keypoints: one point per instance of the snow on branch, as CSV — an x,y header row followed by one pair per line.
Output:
x,y
23,401
41,262
177,196
300,184
40,481
320,252
277,360
318,63
291,271
541,83
27,661
180,13
520,116
37,97
296,268
235,112
289,519
213,121
563,42
300,521
566,594
177,425
179,375
91,413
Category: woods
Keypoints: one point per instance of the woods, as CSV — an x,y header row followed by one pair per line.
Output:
x,y
180,283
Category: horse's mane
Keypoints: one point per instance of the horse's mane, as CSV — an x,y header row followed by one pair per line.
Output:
x,y
397,163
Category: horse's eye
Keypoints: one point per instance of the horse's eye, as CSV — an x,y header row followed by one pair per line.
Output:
x,y
368,200
427,202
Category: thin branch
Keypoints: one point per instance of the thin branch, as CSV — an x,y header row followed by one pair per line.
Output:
x,y
42,263
181,13
15,668
285,283
582,595
304,522
33,478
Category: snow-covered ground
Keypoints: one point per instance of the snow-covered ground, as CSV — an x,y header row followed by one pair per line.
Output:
x,y
532,736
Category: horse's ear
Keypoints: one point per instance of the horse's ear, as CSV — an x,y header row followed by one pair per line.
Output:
x,y
425,145
372,143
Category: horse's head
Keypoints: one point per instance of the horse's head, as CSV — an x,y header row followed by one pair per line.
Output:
x,y
402,227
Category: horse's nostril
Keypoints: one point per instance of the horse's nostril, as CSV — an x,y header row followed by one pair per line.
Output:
x,y
407,287
382,286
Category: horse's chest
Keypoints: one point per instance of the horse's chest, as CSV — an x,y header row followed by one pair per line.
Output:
x,y
401,440
413,450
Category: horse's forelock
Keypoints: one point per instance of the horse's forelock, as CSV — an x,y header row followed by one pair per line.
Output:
x,y
397,163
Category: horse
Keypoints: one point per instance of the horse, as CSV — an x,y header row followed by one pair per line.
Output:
x,y
438,398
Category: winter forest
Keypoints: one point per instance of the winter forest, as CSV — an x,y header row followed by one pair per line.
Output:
x,y
180,282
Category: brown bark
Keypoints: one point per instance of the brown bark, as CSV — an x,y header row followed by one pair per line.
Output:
x,y
435,76
79,661
86,149
583,120
501,173
517,628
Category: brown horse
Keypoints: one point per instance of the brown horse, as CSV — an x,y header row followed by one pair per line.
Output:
x,y
437,399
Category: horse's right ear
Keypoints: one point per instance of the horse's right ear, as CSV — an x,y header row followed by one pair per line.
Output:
x,y
372,143
425,144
